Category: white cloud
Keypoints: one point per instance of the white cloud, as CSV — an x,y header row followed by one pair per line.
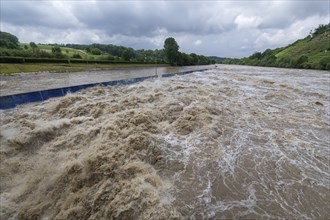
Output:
x,y
198,42
270,38
243,21
297,30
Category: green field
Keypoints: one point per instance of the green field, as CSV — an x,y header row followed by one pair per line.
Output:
x,y
10,69
13,68
70,52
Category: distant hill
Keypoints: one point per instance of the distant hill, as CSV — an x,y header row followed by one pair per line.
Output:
x,y
217,59
312,52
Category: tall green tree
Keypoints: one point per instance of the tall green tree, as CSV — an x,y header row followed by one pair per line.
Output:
x,y
34,47
171,49
57,52
8,40
96,51
56,49
322,28
126,55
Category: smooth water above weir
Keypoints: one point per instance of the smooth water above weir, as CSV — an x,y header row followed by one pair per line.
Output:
x,y
234,142
29,82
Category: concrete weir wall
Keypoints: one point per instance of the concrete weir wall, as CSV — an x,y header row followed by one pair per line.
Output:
x,y
11,101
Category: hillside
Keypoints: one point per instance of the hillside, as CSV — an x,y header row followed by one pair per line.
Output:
x,y
11,51
316,49
312,52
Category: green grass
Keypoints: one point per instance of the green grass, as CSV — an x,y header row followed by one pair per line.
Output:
x,y
317,49
10,69
308,47
70,52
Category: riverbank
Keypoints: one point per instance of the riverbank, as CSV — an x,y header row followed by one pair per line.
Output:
x,y
13,69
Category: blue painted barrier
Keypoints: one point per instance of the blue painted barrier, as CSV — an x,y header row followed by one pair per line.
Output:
x,y
24,98
51,93
7,102
11,101
182,73
111,83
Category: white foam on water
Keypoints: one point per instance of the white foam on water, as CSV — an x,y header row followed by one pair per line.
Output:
x,y
230,143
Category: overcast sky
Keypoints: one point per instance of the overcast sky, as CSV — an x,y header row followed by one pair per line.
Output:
x,y
221,28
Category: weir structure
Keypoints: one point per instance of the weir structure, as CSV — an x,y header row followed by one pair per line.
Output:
x,y
11,101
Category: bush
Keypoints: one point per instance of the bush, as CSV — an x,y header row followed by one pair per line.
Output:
x,y
324,63
45,60
96,51
76,56
12,60
301,62
44,54
15,52
327,66
31,60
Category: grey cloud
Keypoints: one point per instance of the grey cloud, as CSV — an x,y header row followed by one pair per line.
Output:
x,y
281,14
143,18
224,28
36,13
120,18
305,9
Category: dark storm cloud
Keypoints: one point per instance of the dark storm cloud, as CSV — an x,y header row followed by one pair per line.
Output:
x,y
224,28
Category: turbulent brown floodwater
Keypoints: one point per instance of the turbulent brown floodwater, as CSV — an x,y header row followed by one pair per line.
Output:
x,y
229,143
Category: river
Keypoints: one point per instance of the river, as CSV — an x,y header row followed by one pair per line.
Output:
x,y
232,142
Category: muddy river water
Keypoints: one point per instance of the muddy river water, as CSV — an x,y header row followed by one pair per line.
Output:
x,y
232,142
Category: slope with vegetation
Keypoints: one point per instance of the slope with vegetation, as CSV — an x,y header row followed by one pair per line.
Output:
x,y
312,52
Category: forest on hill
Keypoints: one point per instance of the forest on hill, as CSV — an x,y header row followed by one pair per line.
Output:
x,y
312,52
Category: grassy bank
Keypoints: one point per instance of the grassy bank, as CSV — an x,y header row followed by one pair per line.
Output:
x,y
9,69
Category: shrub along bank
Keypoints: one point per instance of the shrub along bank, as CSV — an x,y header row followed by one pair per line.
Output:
x,y
57,60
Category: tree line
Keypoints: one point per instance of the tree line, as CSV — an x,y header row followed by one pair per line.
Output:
x,y
10,47
166,55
